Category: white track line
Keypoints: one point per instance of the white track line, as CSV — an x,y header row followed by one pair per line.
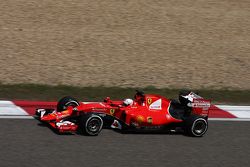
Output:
x,y
16,117
229,119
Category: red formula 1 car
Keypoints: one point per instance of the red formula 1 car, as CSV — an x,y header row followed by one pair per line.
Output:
x,y
144,112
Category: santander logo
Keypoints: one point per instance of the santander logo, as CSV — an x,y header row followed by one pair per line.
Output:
x,y
156,105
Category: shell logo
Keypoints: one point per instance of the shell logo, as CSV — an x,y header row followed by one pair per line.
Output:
x,y
150,120
140,119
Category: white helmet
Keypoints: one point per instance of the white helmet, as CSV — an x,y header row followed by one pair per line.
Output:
x,y
128,102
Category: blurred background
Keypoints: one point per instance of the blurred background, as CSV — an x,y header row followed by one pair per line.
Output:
x,y
172,44
176,43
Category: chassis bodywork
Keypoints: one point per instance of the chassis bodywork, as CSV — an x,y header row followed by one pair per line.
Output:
x,y
153,112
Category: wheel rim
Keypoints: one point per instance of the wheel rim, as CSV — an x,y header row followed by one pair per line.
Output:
x,y
199,127
94,125
72,104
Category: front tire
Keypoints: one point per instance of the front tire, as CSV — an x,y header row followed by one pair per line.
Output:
x,y
195,126
65,102
90,125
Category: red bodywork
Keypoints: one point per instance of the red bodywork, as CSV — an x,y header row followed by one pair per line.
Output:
x,y
153,111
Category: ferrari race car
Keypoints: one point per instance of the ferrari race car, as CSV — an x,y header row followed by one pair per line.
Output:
x,y
144,112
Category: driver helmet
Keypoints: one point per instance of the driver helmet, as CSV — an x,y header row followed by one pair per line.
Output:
x,y
128,102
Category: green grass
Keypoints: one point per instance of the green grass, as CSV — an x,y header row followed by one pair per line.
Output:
x,y
53,93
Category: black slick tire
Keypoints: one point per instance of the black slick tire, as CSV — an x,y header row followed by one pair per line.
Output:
x,y
90,125
65,102
195,126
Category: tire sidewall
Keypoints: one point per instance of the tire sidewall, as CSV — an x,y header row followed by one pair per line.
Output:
x,y
66,101
193,126
190,124
84,125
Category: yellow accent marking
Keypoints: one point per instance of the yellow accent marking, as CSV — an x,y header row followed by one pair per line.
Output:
x,y
150,120
149,101
140,119
112,111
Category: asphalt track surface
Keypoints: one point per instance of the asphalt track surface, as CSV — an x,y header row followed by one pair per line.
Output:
x,y
27,143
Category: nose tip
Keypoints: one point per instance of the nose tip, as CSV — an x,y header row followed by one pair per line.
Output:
x,y
48,118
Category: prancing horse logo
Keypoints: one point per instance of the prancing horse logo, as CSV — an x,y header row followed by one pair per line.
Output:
x,y
149,101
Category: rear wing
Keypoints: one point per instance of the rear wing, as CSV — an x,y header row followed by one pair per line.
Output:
x,y
199,105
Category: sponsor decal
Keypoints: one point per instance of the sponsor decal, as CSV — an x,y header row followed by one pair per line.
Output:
x,y
200,103
140,119
62,116
156,105
64,123
149,101
98,109
149,120
112,111
116,125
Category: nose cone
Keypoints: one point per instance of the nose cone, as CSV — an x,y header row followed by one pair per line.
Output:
x,y
49,117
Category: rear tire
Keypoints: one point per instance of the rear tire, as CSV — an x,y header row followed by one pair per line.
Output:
x,y
195,126
90,125
65,102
